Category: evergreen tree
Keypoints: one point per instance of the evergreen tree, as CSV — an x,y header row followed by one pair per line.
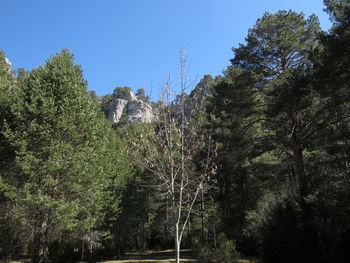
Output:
x,y
271,111
236,119
12,234
279,48
61,143
140,94
106,103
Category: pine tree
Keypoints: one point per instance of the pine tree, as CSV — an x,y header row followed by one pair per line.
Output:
x,y
279,48
11,233
62,152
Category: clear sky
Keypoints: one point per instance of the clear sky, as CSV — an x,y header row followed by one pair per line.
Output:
x,y
135,43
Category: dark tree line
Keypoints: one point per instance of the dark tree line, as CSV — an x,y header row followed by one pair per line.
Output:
x,y
282,124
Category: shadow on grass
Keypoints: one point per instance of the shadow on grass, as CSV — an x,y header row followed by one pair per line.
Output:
x,y
154,256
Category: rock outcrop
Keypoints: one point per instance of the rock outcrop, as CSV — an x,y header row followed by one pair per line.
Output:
x,y
8,64
198,95
127,104
195,100
135,109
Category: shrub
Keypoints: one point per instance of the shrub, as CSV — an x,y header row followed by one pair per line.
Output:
x,y
225,251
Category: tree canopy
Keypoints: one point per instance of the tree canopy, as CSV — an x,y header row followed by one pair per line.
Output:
x,y
253,163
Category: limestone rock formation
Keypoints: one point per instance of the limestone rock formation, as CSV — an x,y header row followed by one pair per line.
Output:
x,y
135,109
195,100
8,62
199,94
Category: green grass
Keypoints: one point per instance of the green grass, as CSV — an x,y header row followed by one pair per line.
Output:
x,y
149,260
20,261
254,260
137,257
163,256
153,256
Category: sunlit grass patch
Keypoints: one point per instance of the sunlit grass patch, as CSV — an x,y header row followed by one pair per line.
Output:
x,y
19,261
244,260
150,260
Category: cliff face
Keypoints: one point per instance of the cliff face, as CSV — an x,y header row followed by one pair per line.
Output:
x,y
8,64
198,95
195,100
140,111
135,109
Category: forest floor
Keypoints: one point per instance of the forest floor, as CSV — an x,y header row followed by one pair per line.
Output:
x,y
162,256
152,256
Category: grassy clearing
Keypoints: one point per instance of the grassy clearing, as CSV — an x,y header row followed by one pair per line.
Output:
x,y
153,256
254,260
152,252
163,256
150,260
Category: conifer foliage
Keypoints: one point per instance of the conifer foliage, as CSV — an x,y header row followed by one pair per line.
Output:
x,y
63,153
253,163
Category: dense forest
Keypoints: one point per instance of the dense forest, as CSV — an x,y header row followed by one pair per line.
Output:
x,y
256,167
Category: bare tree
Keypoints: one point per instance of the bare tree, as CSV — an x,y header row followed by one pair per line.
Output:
x,y
168,153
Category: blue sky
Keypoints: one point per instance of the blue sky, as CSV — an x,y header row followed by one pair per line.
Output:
x,y
135,42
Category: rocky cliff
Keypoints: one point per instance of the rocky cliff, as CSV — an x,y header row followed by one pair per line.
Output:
x,y
138,110
135,109
195,100
198,95
8,64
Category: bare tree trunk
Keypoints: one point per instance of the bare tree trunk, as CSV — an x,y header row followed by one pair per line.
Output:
x,y
91,248
299,168
82,250
202,215
214,235
182,134
177,243
166,228
41,243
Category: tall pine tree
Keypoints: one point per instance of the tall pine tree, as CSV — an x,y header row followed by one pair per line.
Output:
x,y
62,152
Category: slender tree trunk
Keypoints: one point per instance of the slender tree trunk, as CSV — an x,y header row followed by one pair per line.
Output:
x,y
342,128
177,243
143,235
82,250
166,229
298,159
91,248
202,215
310,237
303,190
214,234
41,243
